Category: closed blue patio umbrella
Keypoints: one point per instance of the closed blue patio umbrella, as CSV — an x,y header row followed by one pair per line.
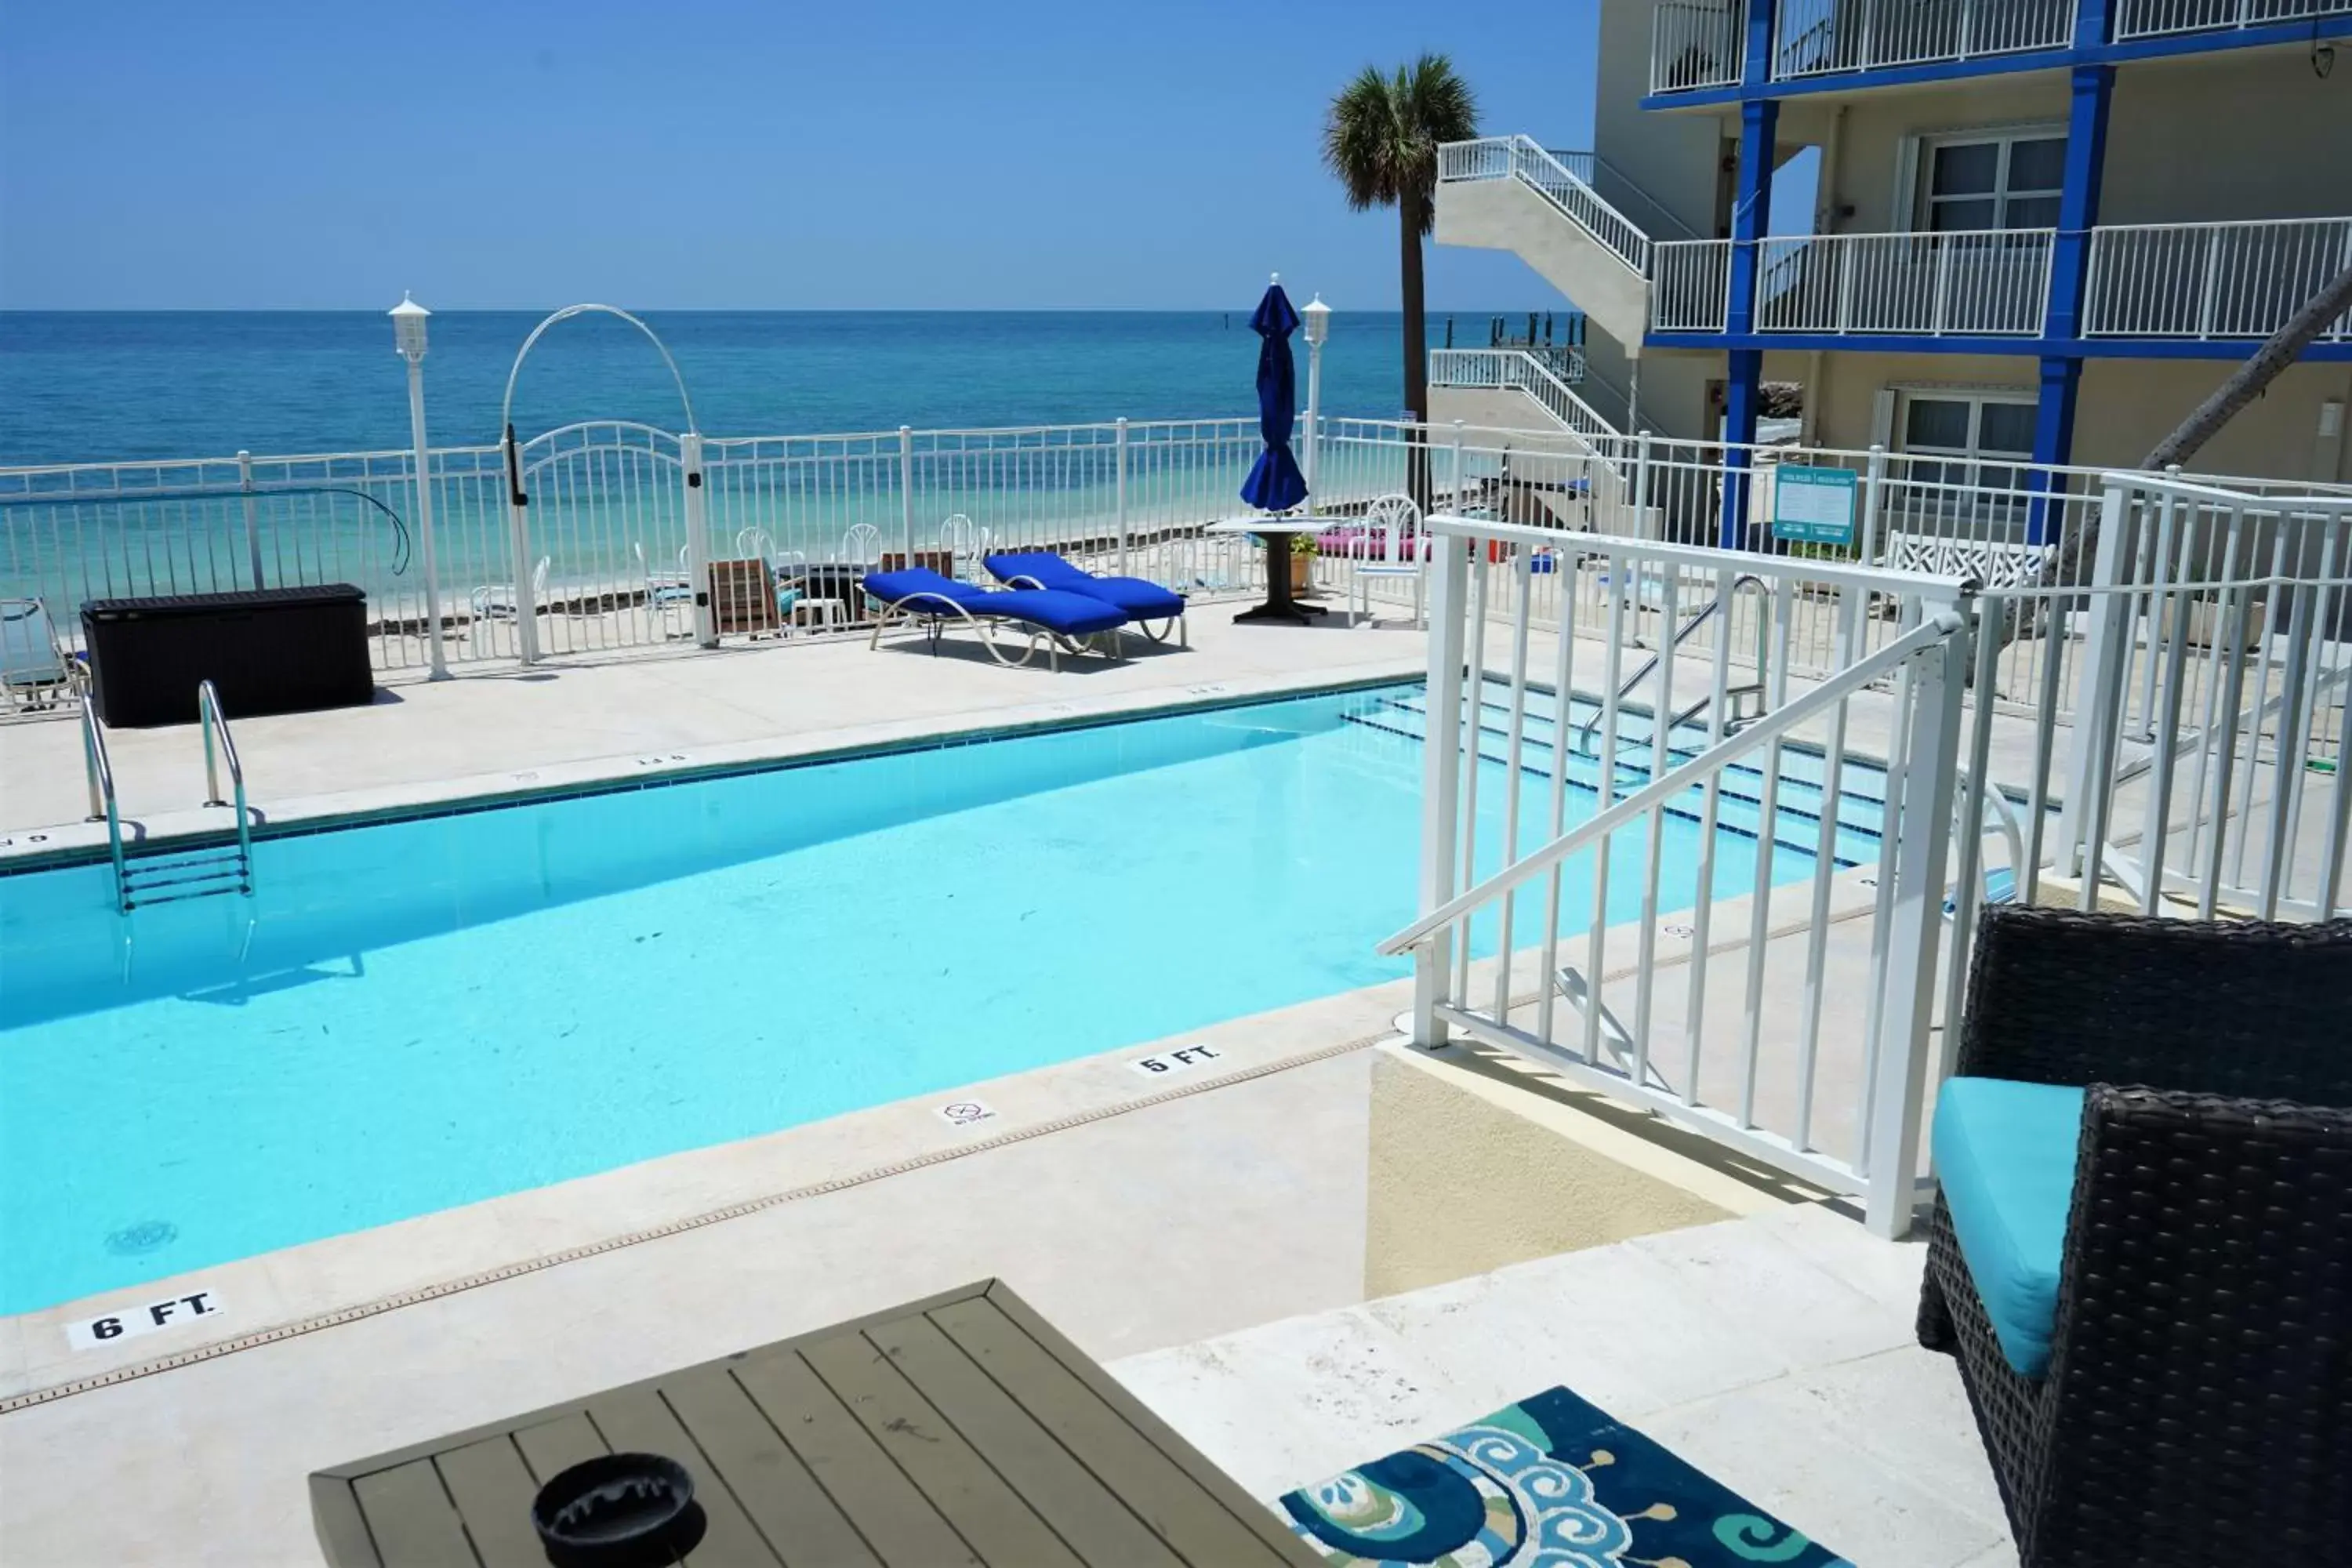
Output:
x,y
1274,483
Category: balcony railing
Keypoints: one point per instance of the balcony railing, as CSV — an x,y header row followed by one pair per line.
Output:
x,y
1690,292
1694,45
2208,280
2160,18
1819,36
1991,283
1521,158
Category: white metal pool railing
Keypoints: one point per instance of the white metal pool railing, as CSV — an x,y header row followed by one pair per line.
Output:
x,y
2207,280
1839,1105
1526,160
2207,768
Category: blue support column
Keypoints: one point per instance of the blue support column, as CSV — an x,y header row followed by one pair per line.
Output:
x,y
1751,218
2070,269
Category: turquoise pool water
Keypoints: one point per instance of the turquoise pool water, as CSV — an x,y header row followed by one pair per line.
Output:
x,y
419,1014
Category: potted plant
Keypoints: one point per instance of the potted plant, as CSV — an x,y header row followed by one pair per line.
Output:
x,y
1303,552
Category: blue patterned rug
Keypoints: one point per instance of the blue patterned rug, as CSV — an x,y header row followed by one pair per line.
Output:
x,y
1549,1482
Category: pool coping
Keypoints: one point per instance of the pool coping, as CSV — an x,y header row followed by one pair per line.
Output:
x,y
61,845
271,1295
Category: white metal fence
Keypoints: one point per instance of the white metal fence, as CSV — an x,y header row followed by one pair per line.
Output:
x,y
2212,279
2155,19
1694,45
1813,38
1720,916
1992,282
1691,289
1525,160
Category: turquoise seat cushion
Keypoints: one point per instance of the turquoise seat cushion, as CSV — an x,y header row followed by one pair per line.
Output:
x,y
2005,1152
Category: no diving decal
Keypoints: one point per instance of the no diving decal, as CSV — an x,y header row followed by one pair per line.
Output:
x,y
1180,1060
129,1322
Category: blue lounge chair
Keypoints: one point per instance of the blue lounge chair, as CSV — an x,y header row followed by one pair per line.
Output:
x,y
1057,622
1142,601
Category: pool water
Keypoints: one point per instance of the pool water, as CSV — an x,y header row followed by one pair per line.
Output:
x,y
414,1014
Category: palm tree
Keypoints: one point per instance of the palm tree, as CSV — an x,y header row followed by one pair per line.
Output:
x,y
1380,138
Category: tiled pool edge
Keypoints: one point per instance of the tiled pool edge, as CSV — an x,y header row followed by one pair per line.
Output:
x,y
475,1280
46,846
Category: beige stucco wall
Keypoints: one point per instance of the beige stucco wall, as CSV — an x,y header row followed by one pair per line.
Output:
x,y
2229,136
1673,158
2127,407
1470,1170
2123,408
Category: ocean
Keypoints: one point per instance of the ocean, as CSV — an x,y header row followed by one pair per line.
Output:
x,y
99,386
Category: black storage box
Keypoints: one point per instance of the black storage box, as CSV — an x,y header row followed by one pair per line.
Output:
x,y
266,650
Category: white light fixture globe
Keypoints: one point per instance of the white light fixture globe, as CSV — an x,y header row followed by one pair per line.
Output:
x,y
1318,317
408,319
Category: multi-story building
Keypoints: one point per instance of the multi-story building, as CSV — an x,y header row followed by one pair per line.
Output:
x,y
2043,229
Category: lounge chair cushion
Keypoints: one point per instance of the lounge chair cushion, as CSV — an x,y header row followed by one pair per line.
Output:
x,y
1145,601
1069,614
2005,1152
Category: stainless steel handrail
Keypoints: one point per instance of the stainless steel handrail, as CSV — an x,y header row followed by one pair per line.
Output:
x,y
208,709
102,797
1698,617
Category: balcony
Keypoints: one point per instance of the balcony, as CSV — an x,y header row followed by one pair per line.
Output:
x,y
2171,18
2209,280
1698,46
2186,283
1988,283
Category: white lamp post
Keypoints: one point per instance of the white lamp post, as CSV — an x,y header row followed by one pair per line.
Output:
x,y
1317,318
408,319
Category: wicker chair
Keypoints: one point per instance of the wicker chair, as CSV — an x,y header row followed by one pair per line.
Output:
x,y
2197,1408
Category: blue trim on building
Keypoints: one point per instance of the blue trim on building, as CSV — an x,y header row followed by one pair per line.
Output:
x,y
2305,32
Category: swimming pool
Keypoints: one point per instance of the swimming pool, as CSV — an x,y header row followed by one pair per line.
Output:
x,y
417,1013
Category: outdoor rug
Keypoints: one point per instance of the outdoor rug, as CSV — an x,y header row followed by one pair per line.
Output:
x,y
1549,1482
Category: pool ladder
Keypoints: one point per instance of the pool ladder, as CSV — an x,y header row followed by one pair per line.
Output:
x,y
168,876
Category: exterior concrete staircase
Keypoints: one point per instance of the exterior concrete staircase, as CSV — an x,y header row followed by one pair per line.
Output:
x,y
1510,193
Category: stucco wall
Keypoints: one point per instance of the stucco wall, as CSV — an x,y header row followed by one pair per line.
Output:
x,y
2232,136
1673,158
2125,407
1469,1174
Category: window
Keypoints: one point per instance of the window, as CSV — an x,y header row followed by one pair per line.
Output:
x,y
2008,181
1970,428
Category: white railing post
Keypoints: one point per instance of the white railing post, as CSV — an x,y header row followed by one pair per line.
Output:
x,y
1440,764
906,489
697,541
1121,502
2098,689
526,591
1873,491
1641,529
252,517
1922,841
438,656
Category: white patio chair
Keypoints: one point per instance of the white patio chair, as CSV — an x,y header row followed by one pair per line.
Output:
x,y
498,601
35,672
1393,546
862,546
966,543
664,592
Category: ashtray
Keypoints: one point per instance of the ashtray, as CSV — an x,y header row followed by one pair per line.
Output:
x,y
618,1510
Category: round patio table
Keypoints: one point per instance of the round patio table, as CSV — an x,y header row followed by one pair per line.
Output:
x,y
1281,604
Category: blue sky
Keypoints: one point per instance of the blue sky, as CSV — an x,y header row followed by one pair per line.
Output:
x,y
719,153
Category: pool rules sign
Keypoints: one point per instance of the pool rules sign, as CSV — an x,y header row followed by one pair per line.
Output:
x,y
1813,506
129,1322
